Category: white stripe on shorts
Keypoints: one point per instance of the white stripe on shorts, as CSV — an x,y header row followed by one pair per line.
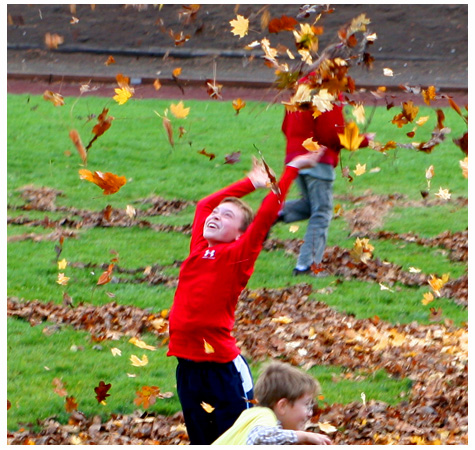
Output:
x,y
243,370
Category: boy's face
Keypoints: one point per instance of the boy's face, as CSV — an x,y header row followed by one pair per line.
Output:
x,y
295,416
223,224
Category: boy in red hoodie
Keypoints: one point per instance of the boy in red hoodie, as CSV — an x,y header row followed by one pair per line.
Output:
x,y
225,243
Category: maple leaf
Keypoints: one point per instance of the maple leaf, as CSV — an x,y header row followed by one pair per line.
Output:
x,y
427,298
240,26
62,279
429,94
62,264
207,407
285,23
106,276
70,404
108,182
359,113
122,95
323,101
116,351
306,38
179,110
137,362
443,194
74,135
104,122
53,97
232,158
437,284
102,391
311,145
147,396
360,169
141,344
208,347
351,139
238,104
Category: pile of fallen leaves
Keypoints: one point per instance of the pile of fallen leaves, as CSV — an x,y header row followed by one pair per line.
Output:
x,y
285,324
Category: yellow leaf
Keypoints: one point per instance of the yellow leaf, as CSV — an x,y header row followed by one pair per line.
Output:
x,y
326,427
240,26
360,169
359,113
443,194
293,228
208,408
428,298
430,172
179,110
238,104
422,120
282,319
123,95
53,97
176,72
208,347
311,145
141,344
62,280
438,283
137,362
388,72
116,351
464,167
62,264
157,85
351,139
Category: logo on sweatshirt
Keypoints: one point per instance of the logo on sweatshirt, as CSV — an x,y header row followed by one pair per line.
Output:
x,y
209,254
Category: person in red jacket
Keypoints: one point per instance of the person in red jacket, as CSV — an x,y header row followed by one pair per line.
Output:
x,y
225,243
315,184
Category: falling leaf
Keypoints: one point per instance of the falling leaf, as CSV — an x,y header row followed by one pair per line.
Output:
x,y
360,169
293,228
116,351
232,158
62,279
122,95
438,283
106,276
104,122
74,20
213,89
110,60
208,408
311,145
238,104
307,37
180,38
179,110
427,298
326,427
176,72
359,113
141,344
240,26
59,387
74,135
208,347
435,315
102,391
56,99
429,94
388,72
285,23
62,264
70,404
464,166
53,40
443,194
203,151
147,396
157,85
168,128
108,182
351,139
137,362
338,210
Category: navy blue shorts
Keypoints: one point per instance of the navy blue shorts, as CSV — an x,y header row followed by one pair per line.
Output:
x,y
227,387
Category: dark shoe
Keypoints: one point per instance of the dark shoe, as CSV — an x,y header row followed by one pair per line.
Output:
x,y
321,274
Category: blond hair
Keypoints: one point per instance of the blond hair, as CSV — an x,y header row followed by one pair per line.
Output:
x,y
279,380
248,213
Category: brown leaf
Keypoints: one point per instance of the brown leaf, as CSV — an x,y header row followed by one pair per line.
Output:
x,y
102,391
74,136
70,404
106,276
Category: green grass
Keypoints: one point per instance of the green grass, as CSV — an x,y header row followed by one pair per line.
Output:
x,y
136,146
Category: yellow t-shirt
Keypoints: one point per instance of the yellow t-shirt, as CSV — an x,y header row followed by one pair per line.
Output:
x,y
250,418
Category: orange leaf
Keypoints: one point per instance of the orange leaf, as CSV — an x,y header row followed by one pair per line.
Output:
x,y
106,276
110,60
351,139
102,125
70,404
56,99
211,156
102,391
147,396
168,128
74,135
157,85
176,72
429,94
238,104
53,40
108,182
285,23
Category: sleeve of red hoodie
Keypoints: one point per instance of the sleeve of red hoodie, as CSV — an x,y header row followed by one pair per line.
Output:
x,y
205,207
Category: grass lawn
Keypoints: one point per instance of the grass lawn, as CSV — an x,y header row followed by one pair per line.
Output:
x,y
40,153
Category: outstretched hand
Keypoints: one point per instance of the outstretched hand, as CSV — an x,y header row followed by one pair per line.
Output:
x,y
258,174
307,160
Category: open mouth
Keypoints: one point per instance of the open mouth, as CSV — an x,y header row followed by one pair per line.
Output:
x,y
212,225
